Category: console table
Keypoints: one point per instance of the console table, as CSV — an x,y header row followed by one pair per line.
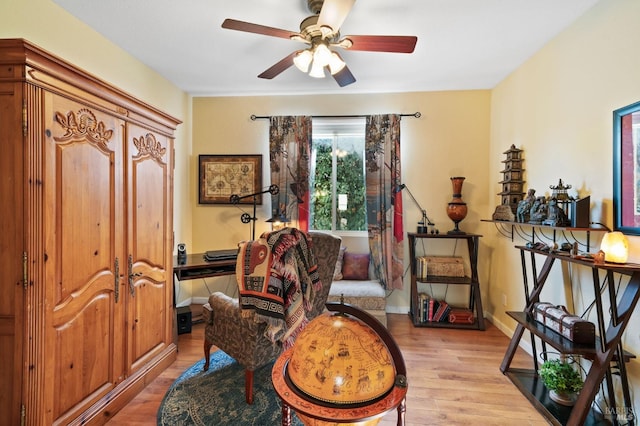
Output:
x,y
608,346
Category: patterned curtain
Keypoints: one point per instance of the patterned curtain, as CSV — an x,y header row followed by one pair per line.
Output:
x,y
289,157
384,202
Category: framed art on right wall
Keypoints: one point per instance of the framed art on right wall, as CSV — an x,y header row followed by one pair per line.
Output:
x,y
626,169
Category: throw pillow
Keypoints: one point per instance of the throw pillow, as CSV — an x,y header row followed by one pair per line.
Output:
x,y
337,273
355,266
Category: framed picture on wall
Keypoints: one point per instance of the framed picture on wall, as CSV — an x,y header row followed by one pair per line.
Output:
x,y
626,169
221,176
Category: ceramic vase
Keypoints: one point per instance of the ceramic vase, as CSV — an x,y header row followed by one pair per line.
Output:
x,y
457,209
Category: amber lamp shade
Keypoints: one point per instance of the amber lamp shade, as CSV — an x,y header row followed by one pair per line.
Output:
x,y
615,246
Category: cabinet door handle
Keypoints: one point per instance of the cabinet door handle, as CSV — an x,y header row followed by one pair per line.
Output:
x,y
132,275
116,279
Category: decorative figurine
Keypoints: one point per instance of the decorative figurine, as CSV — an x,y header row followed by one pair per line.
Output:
x,y
524,206
538,211
564,199
512,185
503,212
560,191
555,215
598,258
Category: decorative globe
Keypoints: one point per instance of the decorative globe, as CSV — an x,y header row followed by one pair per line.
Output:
x,y
339,360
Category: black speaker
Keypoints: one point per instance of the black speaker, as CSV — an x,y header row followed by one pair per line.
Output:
x,y
184,319
580,212
182,254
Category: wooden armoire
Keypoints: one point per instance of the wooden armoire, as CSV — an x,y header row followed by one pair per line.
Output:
x,y
86,297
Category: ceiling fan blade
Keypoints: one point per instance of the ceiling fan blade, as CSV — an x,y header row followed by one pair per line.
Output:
x,y
232,24
334,12
381,43
344,77
278,67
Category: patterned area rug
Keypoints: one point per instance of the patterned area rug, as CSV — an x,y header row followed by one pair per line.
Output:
x,y
216,397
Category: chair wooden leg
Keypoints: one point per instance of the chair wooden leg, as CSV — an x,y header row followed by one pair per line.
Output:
x,y
207,352
248,386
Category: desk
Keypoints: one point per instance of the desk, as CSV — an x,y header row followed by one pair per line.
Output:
x,y
197,267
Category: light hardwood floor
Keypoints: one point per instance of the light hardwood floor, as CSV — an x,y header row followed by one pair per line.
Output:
x,y
454,378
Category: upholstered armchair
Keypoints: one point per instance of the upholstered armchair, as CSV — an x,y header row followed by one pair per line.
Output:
x,y
244,339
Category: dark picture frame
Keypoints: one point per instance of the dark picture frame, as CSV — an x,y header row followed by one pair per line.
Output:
x,y
626,169
221,176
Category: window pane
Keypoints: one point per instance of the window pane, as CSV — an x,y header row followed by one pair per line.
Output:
x,y
337,176
321,184
350,184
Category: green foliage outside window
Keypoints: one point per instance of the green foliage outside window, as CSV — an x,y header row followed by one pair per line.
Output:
x,y
349,181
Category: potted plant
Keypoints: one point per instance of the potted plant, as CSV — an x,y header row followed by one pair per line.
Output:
x,y
562,380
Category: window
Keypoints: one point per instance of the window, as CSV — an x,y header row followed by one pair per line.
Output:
x,y
337,175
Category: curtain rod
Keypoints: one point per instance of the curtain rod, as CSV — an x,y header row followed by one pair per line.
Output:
x,y
267,117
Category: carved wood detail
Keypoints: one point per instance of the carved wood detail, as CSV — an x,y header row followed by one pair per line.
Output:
x,y
84,125
148,145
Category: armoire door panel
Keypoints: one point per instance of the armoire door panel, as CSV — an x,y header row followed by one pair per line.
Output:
x,y
149,215
84,237
84,348
148,336
148,180
85,240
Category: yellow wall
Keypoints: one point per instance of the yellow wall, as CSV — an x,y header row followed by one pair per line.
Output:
x,y
47,25
450,139
557,107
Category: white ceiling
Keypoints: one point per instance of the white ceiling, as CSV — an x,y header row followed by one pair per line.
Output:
x,y
462,44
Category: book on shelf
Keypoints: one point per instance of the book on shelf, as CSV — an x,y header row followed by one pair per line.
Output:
x,y
442,312
430,309
420,314
432,302
421,268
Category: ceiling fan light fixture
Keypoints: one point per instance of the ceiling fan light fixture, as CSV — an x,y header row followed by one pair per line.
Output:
x,y
317,70
303,59
321,55
336,64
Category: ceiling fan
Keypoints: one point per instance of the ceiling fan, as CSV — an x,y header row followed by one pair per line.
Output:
x,y
321,32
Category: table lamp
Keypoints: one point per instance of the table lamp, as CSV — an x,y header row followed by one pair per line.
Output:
x,y
615,246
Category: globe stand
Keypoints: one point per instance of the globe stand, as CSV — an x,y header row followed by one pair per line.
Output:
x,y
330,414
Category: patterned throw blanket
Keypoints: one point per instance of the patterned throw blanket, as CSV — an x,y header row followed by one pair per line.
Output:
x,y
277,279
